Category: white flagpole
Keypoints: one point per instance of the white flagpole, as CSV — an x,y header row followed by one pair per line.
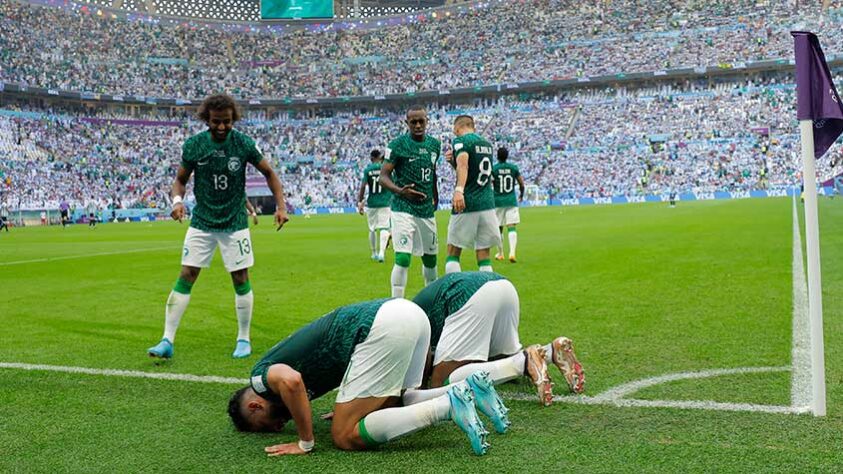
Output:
x,y
812,239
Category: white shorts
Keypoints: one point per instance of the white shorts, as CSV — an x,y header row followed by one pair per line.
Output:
x,y
378,218
414,235
392,356
508,216
486,326
478,230
235,247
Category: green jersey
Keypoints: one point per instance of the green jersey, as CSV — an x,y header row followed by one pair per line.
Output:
x,y
415,163
320,351
378,195
446,295
478,188
504,176
219,179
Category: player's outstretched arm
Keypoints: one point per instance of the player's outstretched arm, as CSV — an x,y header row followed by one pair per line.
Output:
x,y
462,177
407,192
277,192
287,382
177,195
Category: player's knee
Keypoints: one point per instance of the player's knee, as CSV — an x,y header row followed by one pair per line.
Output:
x,y
402,259
345,439
189,274
240,277
429,261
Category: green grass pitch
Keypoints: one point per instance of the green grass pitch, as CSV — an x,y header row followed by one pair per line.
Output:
x,y
644,290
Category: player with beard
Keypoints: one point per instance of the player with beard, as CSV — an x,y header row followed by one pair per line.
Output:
x,y
217,159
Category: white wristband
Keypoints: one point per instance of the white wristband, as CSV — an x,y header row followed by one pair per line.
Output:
x,y
459,189
177,199
306,446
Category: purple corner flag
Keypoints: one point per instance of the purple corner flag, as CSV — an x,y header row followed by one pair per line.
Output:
x,y
816,96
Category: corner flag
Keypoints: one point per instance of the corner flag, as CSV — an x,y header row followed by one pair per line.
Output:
x,y
816,96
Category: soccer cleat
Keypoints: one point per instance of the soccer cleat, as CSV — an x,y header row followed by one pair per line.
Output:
x,y
380,258
537,371
563,357
512,259
162,350
487,400
464,414
242,350
499,257
375,257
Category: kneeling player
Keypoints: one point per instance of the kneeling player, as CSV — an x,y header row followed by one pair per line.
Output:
x,y
474,317
375,353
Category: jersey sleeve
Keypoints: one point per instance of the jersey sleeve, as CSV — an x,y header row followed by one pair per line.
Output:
x,y
254,155
515,172
392,153
364,177
187,159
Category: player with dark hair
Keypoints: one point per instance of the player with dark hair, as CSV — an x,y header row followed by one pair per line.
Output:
x,y
504,177
411,159
377,205
374,352
473,223
4,217
217,157
64,208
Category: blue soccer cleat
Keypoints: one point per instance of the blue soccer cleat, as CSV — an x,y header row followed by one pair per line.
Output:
x,y
243,349
162,350
487,400
465,416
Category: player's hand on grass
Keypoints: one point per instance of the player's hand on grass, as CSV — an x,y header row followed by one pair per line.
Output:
x,y
178,212
458,202
407,192
283,449
328,416
281,218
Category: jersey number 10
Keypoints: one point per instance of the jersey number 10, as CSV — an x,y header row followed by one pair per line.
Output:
x,y
505,184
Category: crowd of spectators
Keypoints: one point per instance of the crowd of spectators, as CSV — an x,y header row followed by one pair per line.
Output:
x,y
737,136
75,48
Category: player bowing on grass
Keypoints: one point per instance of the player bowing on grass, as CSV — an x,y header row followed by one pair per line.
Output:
x,y
473,317
473,223
411,159
504,177
217,157
377,205
375,353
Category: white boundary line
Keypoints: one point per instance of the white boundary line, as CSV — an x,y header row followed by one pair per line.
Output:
x,y
611,397
69,257
800,383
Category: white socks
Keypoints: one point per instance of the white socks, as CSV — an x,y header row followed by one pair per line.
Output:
x,y
399,281
500,371
384,241
176,305
485,268
429,274
415,395
452,266
390,423
513,242
243,306
373,242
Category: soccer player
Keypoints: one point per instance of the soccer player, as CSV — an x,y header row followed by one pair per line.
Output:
x,y
375,353
474,317
218,158
473,223
412,158
64,208
4,217
377,205
504,177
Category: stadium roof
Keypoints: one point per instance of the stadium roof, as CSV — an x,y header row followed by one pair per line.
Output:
x,y
249,10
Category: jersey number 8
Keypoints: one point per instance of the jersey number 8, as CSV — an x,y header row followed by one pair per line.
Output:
x,y
485,171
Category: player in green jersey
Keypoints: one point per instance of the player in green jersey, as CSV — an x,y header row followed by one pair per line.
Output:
x,y
473,223
377,205
375,353
217,159
412,159
474,317
504,177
